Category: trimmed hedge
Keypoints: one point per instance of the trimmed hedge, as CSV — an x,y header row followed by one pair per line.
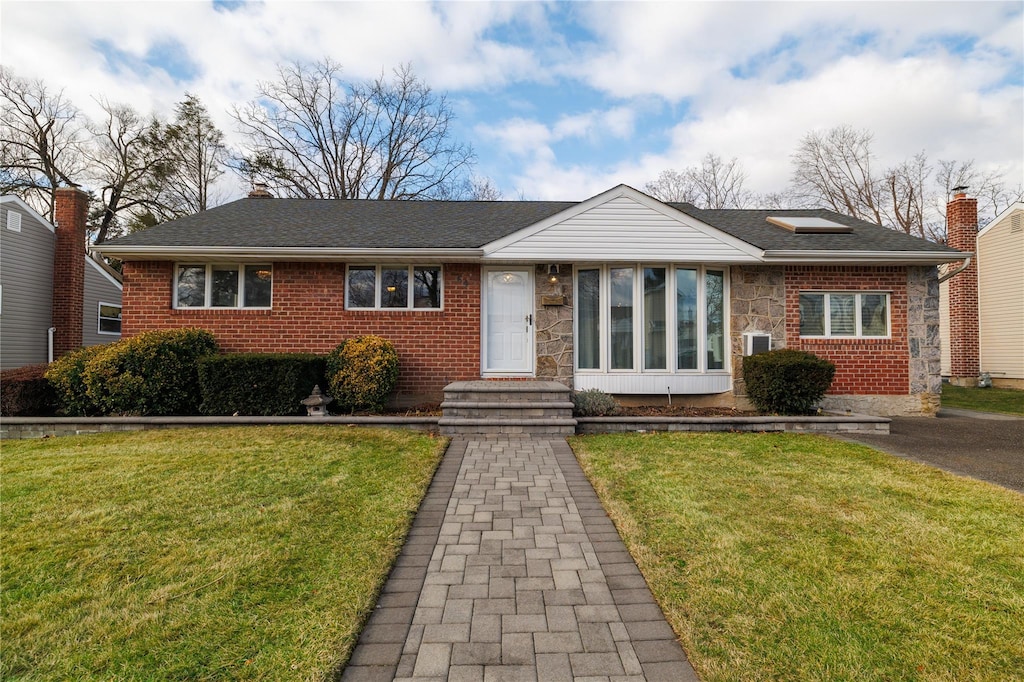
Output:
x,y
154,373
25,392
788,382
361,373
262,384
67,378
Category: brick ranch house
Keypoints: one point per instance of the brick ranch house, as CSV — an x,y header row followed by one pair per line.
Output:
x,y
620,292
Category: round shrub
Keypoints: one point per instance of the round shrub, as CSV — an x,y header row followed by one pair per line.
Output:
x,y
593,403
66,375
361,373
784,381
154,373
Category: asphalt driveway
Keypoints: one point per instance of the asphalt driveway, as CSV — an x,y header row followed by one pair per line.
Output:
x,y
981,445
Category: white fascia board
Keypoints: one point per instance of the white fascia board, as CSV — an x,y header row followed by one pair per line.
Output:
x,y
639,197
1019,206
861,257
17,201
282,254
103,271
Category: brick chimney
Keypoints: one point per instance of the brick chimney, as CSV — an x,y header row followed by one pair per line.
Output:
x,y
962,234
71,206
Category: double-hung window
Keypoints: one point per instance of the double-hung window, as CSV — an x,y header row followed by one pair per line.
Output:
x,y
838,314
223,285
109,318
393,287
650,319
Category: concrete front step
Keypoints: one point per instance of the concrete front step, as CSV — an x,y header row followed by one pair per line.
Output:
x,y
532,407
451,426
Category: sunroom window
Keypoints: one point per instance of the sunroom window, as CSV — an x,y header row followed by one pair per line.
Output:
x,y
844,314
650,319
393,286
223,285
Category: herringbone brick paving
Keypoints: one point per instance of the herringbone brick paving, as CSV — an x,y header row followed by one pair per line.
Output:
x,y
513,571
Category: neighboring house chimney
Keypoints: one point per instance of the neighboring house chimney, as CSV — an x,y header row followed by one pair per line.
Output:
x,y
71,206
260,191
962,234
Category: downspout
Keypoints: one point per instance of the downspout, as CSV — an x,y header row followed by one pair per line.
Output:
x,y
954,273
49,344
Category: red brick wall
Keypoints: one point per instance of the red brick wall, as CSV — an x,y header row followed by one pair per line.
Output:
x,y
863,366
71,206
962,234
308,315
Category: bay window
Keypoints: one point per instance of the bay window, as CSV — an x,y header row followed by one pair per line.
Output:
x,y
838,314
651,319
223,285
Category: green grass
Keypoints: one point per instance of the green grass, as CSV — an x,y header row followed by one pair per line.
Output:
x,y
233,553
797,557
1004,400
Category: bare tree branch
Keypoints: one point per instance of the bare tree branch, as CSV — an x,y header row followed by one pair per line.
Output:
x,y
312,134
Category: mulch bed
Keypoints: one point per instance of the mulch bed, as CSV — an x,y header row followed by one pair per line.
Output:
x,y
434,410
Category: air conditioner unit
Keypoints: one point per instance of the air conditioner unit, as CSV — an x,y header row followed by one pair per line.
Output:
x,y
754,343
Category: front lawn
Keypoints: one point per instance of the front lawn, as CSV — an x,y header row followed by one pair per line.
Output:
x,y
797,557
1005,400
224,553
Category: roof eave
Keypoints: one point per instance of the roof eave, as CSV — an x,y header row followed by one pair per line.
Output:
x,y
799,257
267,253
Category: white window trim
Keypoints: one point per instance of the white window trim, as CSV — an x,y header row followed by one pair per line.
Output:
x,y
672,341
100,317
208,291
410,283
857,310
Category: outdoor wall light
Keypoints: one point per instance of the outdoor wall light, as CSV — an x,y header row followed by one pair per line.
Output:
x,y
553,273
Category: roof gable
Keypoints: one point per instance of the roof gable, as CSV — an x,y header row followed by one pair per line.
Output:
x,y
26,210
622,224
1001,219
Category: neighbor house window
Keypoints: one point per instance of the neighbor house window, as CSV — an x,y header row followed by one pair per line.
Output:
x,y
844,314
393,286
109,318
223,285
651,319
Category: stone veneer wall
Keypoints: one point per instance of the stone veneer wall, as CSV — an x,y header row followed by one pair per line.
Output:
x,y
553,324
758,300
924,337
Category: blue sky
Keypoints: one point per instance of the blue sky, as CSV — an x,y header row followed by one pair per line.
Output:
x,y
564,100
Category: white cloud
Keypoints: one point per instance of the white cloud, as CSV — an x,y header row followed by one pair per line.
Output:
x,y
943,77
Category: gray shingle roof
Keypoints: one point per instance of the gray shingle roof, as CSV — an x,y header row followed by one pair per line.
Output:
x,y
366,224
752,226
357,223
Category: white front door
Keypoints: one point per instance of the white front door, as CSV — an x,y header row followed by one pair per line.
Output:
x,y
508,321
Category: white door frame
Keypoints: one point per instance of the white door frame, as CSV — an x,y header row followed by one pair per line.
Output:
x,y
528,306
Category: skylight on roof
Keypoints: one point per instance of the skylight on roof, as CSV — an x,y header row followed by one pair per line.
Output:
x,y
809,225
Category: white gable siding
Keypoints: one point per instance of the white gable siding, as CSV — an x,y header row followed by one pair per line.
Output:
x,y
623,229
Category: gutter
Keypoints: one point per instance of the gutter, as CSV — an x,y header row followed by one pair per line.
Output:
x,y
953,273
49,344
820,257
264,253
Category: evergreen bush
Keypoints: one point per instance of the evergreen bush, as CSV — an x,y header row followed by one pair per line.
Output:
x,y
263,384
361,373
66,375
788,382
153,373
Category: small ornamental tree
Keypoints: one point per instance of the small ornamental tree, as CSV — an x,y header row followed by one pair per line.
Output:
x,y
785,381
361,373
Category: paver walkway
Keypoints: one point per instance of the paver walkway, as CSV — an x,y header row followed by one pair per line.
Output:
x,y
513,571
